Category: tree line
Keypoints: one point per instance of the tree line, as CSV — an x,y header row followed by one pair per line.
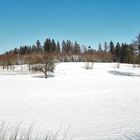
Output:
x,y
49,46
68,51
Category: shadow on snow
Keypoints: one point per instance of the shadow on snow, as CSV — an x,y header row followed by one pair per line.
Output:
x,y
118,73
43,77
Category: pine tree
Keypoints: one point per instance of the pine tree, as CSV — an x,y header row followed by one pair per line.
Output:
x,y
100,48
138,45
58,47
105,47
112,50
77,49
38,46
47,46
118,52
125,53
63,47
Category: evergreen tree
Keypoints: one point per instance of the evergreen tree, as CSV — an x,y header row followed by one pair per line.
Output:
x,y
100,48
16,51
58,47
47,46
69,47
118,52
77,49
105,47
112,50
138,47
38,46
125,53
63,47
53,46
34,48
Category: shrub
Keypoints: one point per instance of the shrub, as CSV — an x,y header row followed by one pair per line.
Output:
x,y
88,65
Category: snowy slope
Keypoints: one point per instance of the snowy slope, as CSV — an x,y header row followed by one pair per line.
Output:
x,y
96,104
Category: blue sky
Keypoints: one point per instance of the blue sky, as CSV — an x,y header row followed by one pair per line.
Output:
x,y
89,22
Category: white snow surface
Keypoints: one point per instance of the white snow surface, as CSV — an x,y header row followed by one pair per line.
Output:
x,y
102,103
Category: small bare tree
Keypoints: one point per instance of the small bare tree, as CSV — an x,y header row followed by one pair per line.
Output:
x,y
44,63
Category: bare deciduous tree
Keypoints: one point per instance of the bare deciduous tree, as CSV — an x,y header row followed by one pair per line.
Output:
x,y
44,63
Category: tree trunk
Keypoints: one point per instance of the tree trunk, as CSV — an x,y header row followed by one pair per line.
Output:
x,y
29,66
46,76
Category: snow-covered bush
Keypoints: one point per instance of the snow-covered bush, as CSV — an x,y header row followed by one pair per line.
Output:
x,y
88,65
118,65
89,61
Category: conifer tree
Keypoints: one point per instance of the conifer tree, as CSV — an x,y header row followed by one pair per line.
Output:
x,y
118,52
47,45
100,48
112,50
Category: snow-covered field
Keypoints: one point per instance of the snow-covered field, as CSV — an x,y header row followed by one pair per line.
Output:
x,y
101,103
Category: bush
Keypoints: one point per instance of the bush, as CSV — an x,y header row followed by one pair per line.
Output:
x,y
88,65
